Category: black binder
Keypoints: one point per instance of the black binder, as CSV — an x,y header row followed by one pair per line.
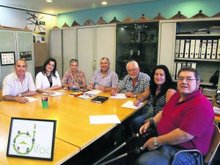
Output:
x,y
99,99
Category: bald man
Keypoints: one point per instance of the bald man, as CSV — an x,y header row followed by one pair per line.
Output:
x,y
18,84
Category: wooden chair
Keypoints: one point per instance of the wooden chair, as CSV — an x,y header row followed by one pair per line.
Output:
x,y
207,160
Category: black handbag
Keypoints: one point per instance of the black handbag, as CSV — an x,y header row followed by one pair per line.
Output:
x,y
214,78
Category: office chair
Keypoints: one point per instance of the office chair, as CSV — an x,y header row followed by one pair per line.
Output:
x,y
207,160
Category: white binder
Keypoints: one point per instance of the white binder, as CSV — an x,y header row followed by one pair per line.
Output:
x,y
193,65
197,48
178,67
177,48
218,50
189,64
203,48
209,49
182,44
214,48
192,48
186,52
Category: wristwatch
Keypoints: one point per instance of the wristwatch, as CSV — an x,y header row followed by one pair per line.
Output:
x,y
155,142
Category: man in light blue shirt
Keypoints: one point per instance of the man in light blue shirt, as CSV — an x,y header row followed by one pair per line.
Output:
x,y
104,79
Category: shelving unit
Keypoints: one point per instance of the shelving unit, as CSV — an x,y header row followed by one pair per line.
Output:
x,y
194,43
136,41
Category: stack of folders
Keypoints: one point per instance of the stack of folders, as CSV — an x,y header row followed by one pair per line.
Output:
x,y
198,48
178,65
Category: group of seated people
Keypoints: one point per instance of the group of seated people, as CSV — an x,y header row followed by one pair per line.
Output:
x,y
183,116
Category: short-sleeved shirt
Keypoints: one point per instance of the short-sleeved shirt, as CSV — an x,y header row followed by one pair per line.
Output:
x,y
42,81
12,86
194,115
126,84
78,77
109,80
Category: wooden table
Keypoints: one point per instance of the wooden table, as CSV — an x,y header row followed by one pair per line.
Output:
x,y
74,130
63,150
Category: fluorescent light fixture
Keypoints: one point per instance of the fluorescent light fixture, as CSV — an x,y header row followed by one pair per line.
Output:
x,y
49,1
104,3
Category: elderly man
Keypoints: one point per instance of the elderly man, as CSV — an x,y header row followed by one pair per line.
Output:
x,y
186,122
104,79
18,84
134,83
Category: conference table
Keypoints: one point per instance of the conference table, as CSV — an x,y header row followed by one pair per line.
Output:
x,y
74,133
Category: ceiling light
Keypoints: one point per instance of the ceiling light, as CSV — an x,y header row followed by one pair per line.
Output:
x,y
49,1
104,2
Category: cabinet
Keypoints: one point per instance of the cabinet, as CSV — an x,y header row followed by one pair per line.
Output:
x,y
20,42
56,49
63,47
93,43
88,44
137,41
194,43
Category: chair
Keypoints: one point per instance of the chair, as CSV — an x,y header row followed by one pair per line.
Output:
x,y
207,160
215,143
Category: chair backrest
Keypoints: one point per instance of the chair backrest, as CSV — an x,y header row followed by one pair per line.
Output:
x,y
214,146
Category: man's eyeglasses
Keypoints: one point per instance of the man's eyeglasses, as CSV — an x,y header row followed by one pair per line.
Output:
x,y
188,79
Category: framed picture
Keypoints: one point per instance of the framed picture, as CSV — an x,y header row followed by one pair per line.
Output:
x,y
7,58
31,138
26,55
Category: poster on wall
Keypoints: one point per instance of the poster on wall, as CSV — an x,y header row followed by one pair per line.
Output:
x,y
36,23
7,58
27,55
31,138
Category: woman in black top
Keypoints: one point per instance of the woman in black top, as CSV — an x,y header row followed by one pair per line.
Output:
x,y
158,94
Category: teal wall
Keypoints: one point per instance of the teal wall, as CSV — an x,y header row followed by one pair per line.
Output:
x,y
167,8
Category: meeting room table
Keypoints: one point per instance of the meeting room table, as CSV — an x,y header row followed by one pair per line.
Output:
x,y
74,131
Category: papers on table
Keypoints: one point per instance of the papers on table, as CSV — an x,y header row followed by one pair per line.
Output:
x,y
31,99
84,96
55,93
216,110
92,92
119,96
130,104
104,119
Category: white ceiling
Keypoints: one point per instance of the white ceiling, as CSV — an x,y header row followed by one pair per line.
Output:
x,y
61,6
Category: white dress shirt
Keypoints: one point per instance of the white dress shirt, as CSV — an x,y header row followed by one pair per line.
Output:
x,y
12,86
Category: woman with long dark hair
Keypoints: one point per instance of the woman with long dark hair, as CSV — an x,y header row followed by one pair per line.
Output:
x,y
158,94
48,79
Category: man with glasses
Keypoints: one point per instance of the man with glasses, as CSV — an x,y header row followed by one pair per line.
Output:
x,y
134,83
186,122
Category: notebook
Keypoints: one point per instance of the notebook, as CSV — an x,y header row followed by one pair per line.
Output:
x,y
99,99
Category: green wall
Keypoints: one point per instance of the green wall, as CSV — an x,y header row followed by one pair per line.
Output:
x,y
167,8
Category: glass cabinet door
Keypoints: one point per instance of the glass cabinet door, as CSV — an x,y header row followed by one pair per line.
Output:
x,y
136,41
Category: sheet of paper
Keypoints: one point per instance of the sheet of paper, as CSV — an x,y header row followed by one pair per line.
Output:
x,y
84,96
216,110
104,119
129,104
31,99
93,92
55,93
119,96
